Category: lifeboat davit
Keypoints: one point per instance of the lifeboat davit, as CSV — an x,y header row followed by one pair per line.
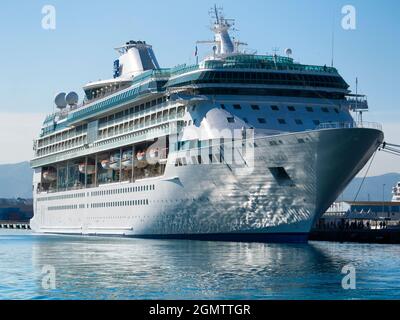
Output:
x,y
87,169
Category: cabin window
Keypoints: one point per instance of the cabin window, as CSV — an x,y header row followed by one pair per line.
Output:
x,y
282,121
309,109
255,107
274,108
291,108
119,115
317,122
325,109
237,107
299,122
262,120
231,119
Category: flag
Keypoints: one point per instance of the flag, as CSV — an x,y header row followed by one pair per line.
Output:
x,y
196,51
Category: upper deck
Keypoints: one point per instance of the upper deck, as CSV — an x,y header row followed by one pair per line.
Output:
x,y
255,70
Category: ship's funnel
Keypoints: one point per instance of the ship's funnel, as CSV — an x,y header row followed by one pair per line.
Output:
x,y
136,57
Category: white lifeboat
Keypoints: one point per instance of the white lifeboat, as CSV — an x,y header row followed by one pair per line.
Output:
x,y
141,159
49,175
115,161
127,159
154,154
105,164
87,169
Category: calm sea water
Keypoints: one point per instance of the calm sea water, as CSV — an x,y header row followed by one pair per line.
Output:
x,y
117,268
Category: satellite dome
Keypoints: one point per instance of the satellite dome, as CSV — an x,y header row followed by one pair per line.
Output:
x,y
60,101
72,98
288,52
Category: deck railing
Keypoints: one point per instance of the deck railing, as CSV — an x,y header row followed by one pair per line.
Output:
x,y
349,125
358,104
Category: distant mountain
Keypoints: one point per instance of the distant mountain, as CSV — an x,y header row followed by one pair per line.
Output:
x,y
372,189
16,181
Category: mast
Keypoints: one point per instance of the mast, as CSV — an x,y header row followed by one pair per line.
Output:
x,y
216,13
360,110
220,26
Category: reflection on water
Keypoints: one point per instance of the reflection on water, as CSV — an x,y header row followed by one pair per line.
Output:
x,y
116,268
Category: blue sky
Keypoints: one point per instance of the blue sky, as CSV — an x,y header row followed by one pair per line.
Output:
x,y
37,63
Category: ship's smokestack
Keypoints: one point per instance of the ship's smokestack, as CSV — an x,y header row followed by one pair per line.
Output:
x,y
136,57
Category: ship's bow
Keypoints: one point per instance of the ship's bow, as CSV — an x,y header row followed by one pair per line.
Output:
x,y
340,155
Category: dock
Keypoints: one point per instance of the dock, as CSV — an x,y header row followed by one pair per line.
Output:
x,y
16,213
383,236
22,225
361,221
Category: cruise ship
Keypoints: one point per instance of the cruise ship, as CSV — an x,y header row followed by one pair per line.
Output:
x,y
237,147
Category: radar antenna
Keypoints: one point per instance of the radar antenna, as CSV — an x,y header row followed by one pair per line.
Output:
x,y
220,26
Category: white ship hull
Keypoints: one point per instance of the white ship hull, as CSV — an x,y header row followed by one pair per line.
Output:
x,y
219,201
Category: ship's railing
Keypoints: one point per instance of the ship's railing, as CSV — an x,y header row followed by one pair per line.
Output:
x,y
349,125
358,103
265,62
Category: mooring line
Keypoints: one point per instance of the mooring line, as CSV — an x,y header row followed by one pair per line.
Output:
x,y
365,176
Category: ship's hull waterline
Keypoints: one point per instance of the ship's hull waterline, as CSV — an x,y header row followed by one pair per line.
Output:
x,y
275,199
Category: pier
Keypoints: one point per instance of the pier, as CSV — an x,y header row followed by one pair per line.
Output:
x,y
362,221
22,225
15,213
383,236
